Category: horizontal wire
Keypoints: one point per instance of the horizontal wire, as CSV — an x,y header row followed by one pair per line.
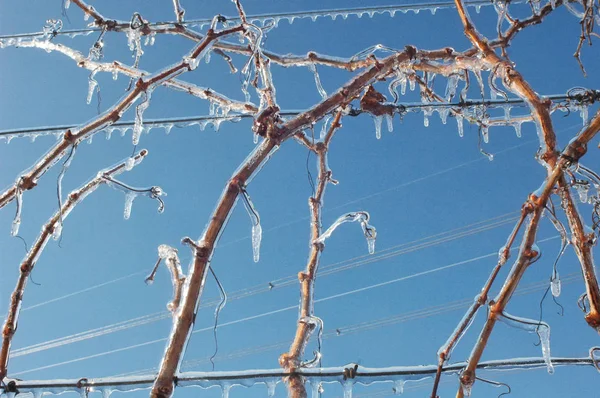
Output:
x,y
330,374
290,16
273,312
243,293
164,122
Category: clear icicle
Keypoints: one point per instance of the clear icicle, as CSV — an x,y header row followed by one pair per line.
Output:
x,y
129,198
584,114
93,84
517,129
390,122
271,385
14,230
226,388
451,87
555,285
256,228
398,386
378,120
531,326
348,386
138,125
313,68
459,123
363,218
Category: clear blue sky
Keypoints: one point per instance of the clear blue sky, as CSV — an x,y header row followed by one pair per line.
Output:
x,y
416,182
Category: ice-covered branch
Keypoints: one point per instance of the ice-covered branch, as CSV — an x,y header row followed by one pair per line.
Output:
x,y
169,255
50,230
179,11
528,251
29,179
116,68
307,321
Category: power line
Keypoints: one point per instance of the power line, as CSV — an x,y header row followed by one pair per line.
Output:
x,y
287,281
203,120
274,18
274,376
268,313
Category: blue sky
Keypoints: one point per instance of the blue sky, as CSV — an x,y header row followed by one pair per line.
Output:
x,y
415,182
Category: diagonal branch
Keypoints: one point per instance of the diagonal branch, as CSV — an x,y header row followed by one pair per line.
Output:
x,y
51,229
29,179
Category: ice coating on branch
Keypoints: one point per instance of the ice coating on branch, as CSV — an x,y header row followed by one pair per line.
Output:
x,y
363,218
138,125
192,63
129,198
531,326
129,163
92,84
595,356
313,68
326,120
255,219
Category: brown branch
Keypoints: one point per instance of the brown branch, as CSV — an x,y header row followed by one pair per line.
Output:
x,y
290,361
29,179
89,10
33,255
482,298
582,244
527,254
117,67
179,11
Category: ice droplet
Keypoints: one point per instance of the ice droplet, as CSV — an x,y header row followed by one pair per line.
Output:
x,y
129,163
57,231
129,198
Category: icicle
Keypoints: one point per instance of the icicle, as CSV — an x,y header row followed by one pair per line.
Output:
x,y
271,385
256,228
485,134
363,217
139,113
555,285
226,387
313,68
398,388
67,4
390,122
317,388
150,39
348,386
582,190
466,387
92,85
14,231
57,231
168,128
451,87
443,112
115,74
378,120
412,84
106,392
427,111
583,111
459,122
129,198
517,127
541,328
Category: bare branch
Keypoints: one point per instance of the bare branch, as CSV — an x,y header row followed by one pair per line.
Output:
x,y
50,229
